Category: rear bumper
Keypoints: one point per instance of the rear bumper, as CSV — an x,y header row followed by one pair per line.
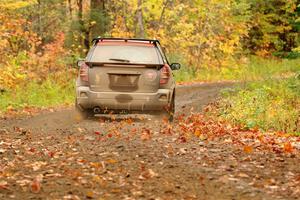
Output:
x,y
87,99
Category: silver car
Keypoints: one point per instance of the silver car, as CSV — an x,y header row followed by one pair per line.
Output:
x,y
125,76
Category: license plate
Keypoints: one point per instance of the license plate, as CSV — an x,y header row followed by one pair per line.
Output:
x,y
124,80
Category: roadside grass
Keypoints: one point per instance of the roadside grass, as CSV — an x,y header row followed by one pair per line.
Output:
x,y
47,94
267,105
269,98
252,69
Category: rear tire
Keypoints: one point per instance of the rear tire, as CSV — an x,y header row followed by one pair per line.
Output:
x,y
169,112
81,114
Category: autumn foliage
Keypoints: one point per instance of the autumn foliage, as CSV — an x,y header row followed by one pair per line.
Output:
x,y
40,41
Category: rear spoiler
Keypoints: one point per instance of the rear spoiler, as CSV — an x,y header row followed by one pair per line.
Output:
x,y
95,64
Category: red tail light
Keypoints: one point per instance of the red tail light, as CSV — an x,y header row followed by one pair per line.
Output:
x,y
84,72
164,75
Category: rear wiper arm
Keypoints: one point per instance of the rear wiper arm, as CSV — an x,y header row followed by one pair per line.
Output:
x,y
120,60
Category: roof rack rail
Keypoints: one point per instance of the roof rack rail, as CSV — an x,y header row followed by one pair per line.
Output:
x,y
97,39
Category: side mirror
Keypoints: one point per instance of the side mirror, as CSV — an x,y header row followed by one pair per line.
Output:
x,y
175,66
80,62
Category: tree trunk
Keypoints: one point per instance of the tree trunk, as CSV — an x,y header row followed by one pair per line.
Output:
x,y
98,4
70,8
40,30
165,5
99,15
83,29
139,16
80,11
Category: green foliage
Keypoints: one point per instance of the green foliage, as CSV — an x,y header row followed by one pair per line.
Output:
x,y
92,20
274,26
186,73
48,18
269,105
252,69
49,93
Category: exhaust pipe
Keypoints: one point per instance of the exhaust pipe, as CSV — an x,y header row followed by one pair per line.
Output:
x,y
97,110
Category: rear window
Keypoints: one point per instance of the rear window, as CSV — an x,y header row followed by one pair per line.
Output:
x,y
126,54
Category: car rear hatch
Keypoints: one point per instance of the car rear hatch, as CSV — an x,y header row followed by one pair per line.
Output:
x,y
109,77
124,67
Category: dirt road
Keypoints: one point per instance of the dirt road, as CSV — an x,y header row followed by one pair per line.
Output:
x,y
54,156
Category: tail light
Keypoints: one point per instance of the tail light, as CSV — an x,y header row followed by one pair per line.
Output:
x,y
84,72
164,75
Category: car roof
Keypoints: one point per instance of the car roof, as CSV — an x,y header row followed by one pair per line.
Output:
x,y
124,43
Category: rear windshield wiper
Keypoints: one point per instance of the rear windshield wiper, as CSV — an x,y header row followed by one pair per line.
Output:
x,y
120,60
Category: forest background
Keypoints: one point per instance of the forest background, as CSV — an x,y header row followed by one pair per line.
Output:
x,y
255,41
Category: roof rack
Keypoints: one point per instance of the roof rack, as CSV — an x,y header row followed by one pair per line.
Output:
x,y
96,40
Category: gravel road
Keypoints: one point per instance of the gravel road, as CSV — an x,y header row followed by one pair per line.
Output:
x,y
55,156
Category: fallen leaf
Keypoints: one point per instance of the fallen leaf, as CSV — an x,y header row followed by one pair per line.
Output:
x,y
97,132
51,154
182,139
4,185
111,161
288,148
129,121
197,133
109,135
146,134
35,186
148,174
248,149
90,194
243,175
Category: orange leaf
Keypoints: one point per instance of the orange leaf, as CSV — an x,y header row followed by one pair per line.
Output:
x,y
288,148
197,133
35,186
248,149
111,161
129,121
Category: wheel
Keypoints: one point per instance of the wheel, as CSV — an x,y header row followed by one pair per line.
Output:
x,y
81,114
169,111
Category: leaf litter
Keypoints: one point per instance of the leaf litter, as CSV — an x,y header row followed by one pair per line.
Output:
x,y
98,162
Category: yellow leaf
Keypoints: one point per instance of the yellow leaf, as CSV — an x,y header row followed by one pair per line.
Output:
x,y
90,194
